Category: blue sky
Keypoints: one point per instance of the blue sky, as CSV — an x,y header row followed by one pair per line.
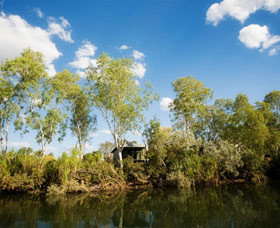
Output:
x,y
231,45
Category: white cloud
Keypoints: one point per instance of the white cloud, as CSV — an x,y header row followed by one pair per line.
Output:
x,y
138,55
64,22
256,36
83,60
61,29
239,9
124,47
274,51
19,144
81,63
165,103
81,73
51,148
137,82
87,49
89,147
105,132
38,12
139,69
51,70
17,34
93,134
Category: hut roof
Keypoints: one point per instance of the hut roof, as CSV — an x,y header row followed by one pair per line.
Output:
x,y
131,146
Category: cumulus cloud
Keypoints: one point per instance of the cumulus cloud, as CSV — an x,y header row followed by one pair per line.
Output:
x,y
51,70
38,12
138,55
19,144
139,69
239,9
124,47
165,103
17,34
61,28
256,36
83,58
81,73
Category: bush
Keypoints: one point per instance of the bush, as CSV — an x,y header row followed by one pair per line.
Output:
x,y
178,179
134,172
21,171
227,156
254,165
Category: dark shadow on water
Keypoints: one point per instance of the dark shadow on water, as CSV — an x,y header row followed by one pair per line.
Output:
x,y
236,205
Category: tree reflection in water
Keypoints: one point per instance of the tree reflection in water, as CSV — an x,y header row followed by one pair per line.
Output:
x,y
225,206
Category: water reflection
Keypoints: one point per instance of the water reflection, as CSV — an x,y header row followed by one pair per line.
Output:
x,y
226,206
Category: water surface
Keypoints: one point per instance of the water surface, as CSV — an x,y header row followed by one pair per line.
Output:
x,y
235,205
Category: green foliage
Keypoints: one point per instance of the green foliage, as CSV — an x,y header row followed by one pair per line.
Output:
x,y
112,89
254,166
134,172
8,107
228,158
92,158
21,172
70,93
189,103
226,141
36,97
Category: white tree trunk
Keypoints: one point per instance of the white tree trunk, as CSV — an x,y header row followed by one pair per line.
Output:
x,y
1,136
120,157
121,219
43,147
7,136
80,146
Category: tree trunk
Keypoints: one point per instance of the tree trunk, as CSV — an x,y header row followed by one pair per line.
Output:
x,y
1,135
7,136
120,157
43,147
80,146
121,218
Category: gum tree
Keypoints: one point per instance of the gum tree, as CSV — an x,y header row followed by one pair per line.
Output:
x,y
189,103
39,107
112,89
82,121
7,110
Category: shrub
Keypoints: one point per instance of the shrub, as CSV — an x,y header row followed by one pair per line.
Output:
x,y
254,165
134,172
178,179
227,156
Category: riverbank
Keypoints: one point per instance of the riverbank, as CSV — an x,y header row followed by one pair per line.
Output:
x,y
174,161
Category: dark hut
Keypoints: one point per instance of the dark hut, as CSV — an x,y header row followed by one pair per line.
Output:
x,y
136,151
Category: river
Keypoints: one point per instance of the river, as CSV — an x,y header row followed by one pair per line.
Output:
x,y
236,205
